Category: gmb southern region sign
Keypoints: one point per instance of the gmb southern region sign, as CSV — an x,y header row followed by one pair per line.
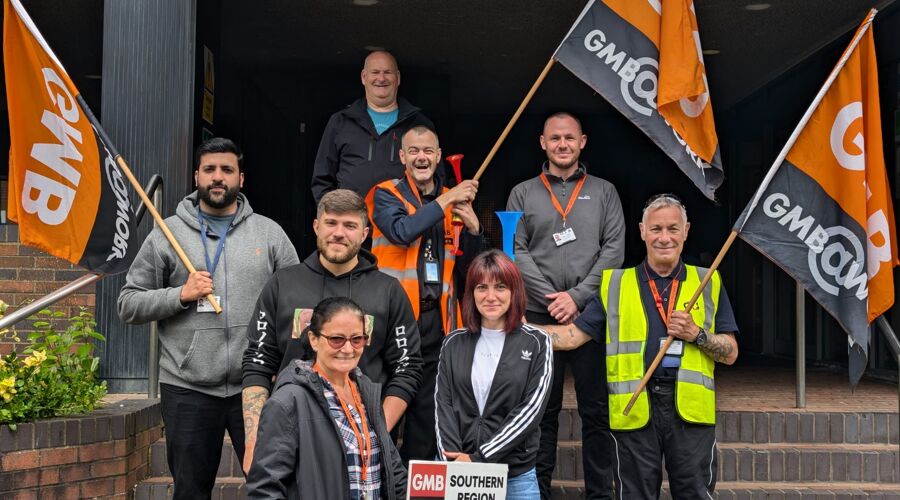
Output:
x,y
456,481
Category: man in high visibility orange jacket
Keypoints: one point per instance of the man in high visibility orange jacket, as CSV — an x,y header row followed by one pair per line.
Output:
x,y
413,238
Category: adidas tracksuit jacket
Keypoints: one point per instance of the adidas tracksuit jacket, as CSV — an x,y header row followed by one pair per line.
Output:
x,y
508,430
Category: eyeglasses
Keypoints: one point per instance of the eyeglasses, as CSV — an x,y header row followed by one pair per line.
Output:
x,y
660,196
338,341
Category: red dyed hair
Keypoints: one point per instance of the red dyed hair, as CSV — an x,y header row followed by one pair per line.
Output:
x,y
487,267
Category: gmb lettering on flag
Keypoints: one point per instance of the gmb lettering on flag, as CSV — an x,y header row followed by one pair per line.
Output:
x,y
645,58
66,191
824,211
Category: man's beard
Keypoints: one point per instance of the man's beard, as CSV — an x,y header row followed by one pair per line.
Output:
x,y
573,161
227,199
337,257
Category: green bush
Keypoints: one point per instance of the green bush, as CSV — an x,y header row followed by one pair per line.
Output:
x,y
56,374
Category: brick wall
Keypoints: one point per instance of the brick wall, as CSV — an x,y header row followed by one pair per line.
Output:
x,y
103,454
27,273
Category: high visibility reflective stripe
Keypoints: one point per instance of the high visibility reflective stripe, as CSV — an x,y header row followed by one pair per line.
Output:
x,y
709,307
381,241
632,347
624,387
612,324
693,377
400,274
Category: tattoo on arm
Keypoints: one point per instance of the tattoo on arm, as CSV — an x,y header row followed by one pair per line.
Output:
x,y
718,347
253,399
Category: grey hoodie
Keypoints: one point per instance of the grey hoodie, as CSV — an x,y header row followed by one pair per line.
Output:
x,y
202,351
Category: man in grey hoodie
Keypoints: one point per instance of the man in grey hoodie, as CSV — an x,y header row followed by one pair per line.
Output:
x,y
200,355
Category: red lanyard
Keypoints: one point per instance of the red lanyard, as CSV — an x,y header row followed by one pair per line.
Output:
x,y
572,198
362,438
657,299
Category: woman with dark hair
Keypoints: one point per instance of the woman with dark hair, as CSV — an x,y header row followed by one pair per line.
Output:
x,y
494,377
322,433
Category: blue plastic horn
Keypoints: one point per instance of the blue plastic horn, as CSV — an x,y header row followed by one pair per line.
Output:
x,y
508,222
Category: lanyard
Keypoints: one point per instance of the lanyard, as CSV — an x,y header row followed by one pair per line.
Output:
x,y
362,437
572,198
210,266
657,299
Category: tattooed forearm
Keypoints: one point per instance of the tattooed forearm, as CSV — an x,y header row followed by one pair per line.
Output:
x,y
253,399
565,337
722,348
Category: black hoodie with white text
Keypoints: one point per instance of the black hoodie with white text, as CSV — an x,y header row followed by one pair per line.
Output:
x,y
278,326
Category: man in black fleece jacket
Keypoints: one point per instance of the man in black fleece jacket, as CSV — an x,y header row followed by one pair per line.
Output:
x,y
338,268
360,145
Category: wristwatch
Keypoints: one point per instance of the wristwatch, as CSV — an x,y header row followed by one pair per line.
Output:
x,y
701,338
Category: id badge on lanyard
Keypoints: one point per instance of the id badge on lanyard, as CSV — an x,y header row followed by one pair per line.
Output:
x,y
432,271
673,355
567,234
203,306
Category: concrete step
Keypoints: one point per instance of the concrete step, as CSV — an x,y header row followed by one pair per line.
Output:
x,y
229,465
161,488
777,462
725,490
782,427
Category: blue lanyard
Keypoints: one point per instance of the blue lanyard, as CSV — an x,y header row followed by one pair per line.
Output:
x,y
210,266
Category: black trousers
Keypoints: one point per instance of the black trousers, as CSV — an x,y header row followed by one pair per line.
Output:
x,y
195,426
419,440
689,451
587,364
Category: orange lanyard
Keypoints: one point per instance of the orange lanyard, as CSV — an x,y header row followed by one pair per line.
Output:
x,y
657,299
362,437
572,199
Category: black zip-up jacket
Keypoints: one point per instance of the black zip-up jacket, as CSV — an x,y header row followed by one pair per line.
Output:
x,y
299,448
508,430
352,155
277,329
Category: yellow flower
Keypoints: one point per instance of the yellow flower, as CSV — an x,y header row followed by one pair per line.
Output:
x,y
36,358
7,388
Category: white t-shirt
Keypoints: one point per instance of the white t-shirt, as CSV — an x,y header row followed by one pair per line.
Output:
x,y
484,366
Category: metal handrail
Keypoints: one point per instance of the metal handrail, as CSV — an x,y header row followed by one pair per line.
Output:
x,y
55,296
153,189
891,337
153,184
156,185
51,298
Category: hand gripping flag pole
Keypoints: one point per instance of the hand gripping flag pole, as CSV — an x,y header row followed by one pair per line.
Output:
x,y
66,190
740,223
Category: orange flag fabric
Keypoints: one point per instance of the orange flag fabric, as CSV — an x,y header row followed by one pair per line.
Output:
x,y
66,191
826,216
645,58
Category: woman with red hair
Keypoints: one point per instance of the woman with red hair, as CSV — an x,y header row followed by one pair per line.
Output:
x,y
494,377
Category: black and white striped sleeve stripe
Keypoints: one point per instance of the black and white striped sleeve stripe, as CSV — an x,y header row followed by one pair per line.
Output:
x,y
532,410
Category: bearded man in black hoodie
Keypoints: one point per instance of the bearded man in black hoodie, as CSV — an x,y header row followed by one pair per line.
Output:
x,y
340,267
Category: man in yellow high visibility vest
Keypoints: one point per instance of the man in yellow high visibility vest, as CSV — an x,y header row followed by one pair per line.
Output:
x,y
637,308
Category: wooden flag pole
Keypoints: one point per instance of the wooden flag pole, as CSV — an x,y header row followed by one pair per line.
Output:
x,y
688,307
162,226
514,119
140,191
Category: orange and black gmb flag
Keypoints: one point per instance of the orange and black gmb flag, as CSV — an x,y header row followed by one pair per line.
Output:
x,y
66,191
644,57
824,213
